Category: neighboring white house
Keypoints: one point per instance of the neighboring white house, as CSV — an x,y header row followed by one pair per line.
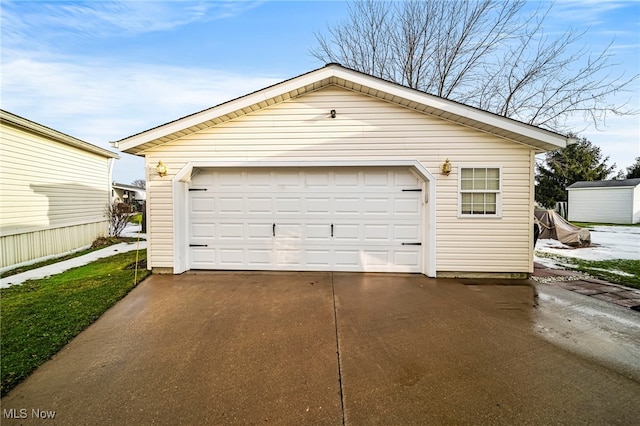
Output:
x,y
336,170
54,190
128,194
605,201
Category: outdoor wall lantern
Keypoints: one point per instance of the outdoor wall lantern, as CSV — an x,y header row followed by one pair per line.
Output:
x,y
161,169
446,167
333,113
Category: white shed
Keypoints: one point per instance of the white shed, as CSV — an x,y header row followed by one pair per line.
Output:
x,y
54,190
336,170
605,201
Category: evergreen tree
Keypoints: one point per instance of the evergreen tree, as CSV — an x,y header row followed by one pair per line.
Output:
x,y
633,171
581,161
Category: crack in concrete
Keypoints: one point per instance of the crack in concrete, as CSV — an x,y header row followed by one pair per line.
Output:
x,y
335,322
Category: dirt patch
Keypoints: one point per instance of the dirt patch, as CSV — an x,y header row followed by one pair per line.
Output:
x,y
142,264
109,241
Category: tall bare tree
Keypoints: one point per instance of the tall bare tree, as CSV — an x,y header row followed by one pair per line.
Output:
x,y
139,183
491,54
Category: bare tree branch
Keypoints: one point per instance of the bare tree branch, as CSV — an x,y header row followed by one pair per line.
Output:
x,y
485,53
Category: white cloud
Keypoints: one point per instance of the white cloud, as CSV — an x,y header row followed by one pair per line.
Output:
x,y
99,101
586,12
109,18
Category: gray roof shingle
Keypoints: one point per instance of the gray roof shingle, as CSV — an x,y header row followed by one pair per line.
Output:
x,y
606,184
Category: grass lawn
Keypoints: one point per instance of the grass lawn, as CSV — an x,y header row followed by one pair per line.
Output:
x,y
98,244
40,316
602,269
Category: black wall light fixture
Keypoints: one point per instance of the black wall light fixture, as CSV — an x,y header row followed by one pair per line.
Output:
x,y
333,113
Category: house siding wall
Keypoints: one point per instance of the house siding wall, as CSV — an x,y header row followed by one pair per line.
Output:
x,y
53,196
636,205
604,205
367,129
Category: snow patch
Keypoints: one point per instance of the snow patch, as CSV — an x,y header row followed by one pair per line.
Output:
x,y
607,243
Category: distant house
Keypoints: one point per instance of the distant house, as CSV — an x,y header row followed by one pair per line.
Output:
x,y
54,190
605,201
128,194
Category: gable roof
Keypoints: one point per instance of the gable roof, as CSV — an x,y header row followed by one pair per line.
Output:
x,y
337,75
31,126
630,183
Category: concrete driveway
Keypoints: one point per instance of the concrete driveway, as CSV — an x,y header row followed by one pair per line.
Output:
x,y
321,348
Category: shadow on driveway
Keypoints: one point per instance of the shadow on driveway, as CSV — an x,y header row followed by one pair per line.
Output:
x,y
321,348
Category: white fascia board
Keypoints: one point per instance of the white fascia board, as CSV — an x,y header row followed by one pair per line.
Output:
x,y
226,108
455,108
54,135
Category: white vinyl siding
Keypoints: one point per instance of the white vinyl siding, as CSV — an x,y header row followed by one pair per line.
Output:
x,y
635,208
48,186
24,247
603,205
365,128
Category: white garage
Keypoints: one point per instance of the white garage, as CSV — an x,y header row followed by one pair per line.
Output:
x,y
336,170
323,219
605,201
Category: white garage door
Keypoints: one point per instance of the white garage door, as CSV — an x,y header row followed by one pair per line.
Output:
x,y
306,219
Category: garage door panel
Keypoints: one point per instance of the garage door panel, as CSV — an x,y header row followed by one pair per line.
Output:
x,y
407,206
407,258
203,255
318,232
205,205
346,205
259,257
375,258
259,205
259,181
347,258
325,219
287,233
230,205
259,231
287,257
375,179
318,205
318,180
377,206
288,205
376,232
346,232
347,180
288,180
232,257
229,180
232,231
408,232
319,258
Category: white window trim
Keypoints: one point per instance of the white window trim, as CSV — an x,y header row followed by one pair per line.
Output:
x,y
498,193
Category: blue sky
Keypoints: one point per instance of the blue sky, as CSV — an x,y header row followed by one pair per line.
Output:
x,y
101,71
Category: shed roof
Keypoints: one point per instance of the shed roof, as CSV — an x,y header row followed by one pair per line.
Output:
x,y
337,75
606,184
31,126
